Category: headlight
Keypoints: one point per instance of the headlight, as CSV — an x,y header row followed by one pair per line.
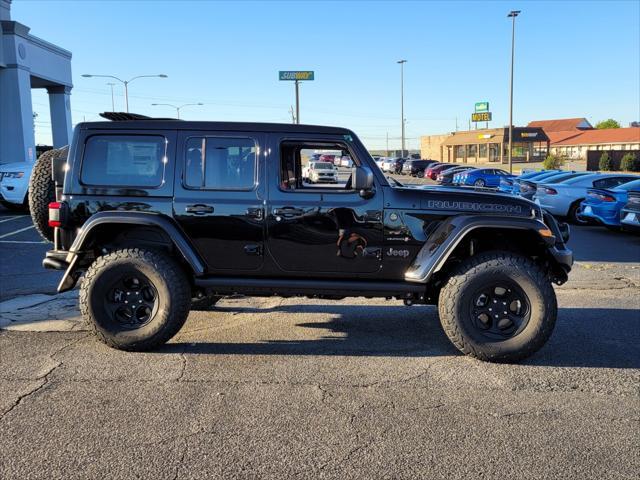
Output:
x,y
13,174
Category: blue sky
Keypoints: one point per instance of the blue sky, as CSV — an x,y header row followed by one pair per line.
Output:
x,y
572,59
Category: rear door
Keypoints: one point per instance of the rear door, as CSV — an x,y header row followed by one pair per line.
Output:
x,y
219,198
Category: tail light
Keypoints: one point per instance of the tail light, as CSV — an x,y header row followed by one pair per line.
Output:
x,y
601,196
57,214
550,191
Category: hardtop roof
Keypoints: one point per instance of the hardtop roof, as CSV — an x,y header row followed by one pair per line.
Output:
x,y
170,124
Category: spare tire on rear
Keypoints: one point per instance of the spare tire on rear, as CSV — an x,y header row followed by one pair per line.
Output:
x,y
42,190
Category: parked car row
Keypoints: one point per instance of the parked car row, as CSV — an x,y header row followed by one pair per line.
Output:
x,y
609,199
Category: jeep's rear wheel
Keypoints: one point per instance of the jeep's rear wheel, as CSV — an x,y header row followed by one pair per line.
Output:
x,y
42,191
135,299
498,306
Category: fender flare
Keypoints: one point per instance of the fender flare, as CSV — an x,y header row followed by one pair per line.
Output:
x,y
174,232
444,239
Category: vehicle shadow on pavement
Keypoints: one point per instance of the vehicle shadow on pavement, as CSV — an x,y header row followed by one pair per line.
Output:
x,y
583,337
597,244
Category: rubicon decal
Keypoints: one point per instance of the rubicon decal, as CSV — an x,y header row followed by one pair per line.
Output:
x,y
473,206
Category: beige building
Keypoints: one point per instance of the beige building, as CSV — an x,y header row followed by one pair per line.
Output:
x,y
530,144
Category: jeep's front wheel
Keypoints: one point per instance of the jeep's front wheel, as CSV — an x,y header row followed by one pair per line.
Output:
x,y
498,306
135,299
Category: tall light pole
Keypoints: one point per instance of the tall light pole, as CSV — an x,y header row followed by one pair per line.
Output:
x,y
177,107
125,83
512,14
113,103
402,62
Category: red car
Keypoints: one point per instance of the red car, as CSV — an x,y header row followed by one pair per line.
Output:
x,y
433,170
329,158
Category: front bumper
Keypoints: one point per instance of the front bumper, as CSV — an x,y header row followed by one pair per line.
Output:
x,y
13,190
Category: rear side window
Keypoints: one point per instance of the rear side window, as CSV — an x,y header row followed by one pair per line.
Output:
x,y
124,160
216,163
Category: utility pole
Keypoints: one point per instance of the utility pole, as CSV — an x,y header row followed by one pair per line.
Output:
x,y
113,103
293,114
402,62
512,14
177,107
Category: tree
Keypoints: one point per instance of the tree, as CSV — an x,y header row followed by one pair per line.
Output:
x,y
630,163
606,164
609,123
553,162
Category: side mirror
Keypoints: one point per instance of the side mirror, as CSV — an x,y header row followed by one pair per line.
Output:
x,y
362,178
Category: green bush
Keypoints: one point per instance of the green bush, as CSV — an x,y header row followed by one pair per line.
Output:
x,y
553,162
630,163
606,164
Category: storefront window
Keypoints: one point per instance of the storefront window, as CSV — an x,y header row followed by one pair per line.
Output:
x,y
459,151
483,150
472,150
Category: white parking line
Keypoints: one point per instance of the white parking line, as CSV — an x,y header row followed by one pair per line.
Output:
x,y
17,231
23,241
8,219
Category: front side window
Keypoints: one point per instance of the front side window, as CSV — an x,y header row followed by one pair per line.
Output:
x,y
124,160
299,171
216,163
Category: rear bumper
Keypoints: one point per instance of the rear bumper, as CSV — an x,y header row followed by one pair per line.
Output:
x,y
630,220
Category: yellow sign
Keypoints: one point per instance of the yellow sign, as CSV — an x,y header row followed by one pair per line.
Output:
x,y
484,135
481,117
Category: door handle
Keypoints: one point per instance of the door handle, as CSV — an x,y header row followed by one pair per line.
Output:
x,y
288,212
199,209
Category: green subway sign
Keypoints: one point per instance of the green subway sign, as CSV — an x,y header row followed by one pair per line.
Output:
x,y
296,75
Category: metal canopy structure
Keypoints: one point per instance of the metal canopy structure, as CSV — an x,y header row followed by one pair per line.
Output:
x,y
27,62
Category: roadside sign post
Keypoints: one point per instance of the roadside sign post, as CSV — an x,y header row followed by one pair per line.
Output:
x,y
297,77
481,114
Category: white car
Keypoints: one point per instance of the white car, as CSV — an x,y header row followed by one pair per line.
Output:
x,y
346,161
380,162
389,164
322,172
14,184
563,199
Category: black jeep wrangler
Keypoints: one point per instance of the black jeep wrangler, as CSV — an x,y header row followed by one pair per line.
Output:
x,y
160,214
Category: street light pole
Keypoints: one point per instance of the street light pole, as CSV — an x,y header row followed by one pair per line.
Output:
x,y
177,107
297,101
512,14
113,103
125,83
402,62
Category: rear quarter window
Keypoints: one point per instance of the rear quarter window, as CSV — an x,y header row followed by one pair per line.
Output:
x,y
124,161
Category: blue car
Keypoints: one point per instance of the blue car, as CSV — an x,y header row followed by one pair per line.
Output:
x,y
481,177
515,189
507,184
604,205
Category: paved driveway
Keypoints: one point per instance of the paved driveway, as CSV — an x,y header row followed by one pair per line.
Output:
x,y
297,388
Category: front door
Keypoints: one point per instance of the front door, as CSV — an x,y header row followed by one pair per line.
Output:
x,y
321,228
219,198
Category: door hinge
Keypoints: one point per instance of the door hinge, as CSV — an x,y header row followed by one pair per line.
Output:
x,y
373,215
256,213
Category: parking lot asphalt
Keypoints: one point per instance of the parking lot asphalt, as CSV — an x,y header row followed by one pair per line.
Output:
x,y
300,388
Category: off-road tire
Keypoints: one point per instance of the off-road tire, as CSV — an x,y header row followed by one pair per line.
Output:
x,y
206,302
42,191
173,296
455,317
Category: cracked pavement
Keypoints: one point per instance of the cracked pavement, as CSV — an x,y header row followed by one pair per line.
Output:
x,y
298,388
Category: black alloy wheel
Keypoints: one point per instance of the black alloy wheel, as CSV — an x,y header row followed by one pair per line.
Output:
x,y
131,301
499,310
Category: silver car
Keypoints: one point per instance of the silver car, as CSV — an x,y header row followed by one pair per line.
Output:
x,y
563,199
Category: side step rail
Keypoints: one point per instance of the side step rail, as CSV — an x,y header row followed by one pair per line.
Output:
x,y
313,287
